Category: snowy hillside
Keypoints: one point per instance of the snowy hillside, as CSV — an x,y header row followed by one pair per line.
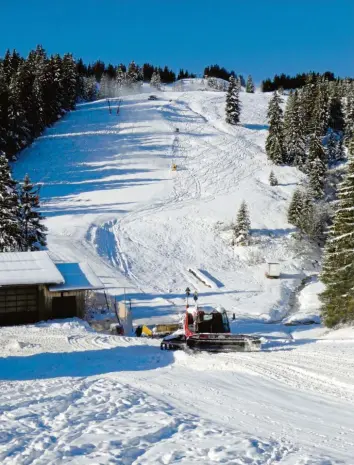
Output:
x,y
111,198
70,395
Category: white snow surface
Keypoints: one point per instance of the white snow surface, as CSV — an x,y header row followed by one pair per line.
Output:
x,y
70,395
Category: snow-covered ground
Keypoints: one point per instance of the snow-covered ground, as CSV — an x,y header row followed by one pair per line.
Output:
x,y
72,396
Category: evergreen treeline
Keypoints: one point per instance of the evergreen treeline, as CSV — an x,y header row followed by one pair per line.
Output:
x,y
214,71
287,82
312,131
99,69
338,264
34,93
185,75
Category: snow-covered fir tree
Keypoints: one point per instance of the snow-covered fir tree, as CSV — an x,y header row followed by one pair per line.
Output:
x,y
340,151
156,80
331,147
349,114
336,116
69,82
18,132
273,181
308,217
295,208
90,92
275,140
243,225
320,117
33,231
233,106
10,232
249,85
338,264
307,100
316,167
120,79
4,96
134,77
294,133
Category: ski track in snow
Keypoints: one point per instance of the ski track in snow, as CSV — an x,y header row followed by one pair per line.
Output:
x,y
72,396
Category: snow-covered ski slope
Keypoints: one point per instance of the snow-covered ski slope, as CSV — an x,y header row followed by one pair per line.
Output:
x,y
111,198
69,395
72,396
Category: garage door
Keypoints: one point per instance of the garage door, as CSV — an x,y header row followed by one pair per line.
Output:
x,y
18,305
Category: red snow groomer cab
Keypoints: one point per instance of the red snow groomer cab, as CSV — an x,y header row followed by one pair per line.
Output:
x,y
209,331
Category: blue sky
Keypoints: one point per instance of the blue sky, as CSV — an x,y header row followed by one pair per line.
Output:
x,y
258,37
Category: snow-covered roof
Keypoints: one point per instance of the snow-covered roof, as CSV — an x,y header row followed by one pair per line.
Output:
x,y
77,276
24,268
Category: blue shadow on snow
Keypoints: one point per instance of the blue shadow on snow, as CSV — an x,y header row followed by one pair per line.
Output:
x,y
82,364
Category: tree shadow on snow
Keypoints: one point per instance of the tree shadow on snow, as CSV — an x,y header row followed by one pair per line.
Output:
x,y
83,364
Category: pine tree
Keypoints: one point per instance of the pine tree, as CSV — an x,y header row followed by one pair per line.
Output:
x,y
340,152
10,233
294,133
331,147
320,117
57,90
336,116
250,86
243,225
90,92
349,114
307,103
156,80
316,167
33,232
275,142
69,82
295,208
338,264
120,79
18,133
307,216
273,181
134,77
4,103
233,107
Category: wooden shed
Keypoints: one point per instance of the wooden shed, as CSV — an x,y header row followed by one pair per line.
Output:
x,y
33,288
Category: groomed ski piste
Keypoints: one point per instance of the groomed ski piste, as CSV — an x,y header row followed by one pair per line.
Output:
x,y
70,395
